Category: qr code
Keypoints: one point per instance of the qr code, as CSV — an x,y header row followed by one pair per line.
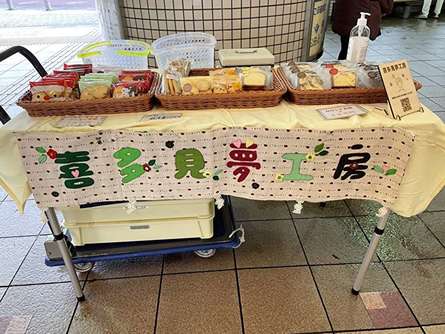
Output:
x,y
406,105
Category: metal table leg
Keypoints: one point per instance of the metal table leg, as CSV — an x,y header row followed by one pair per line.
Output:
x,y
378,232
63,248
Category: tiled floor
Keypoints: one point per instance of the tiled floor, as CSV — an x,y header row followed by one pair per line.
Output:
x,y
293,275
53,37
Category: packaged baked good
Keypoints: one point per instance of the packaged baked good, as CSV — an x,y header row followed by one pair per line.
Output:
x,y
256,77
85,68
176,69
343,74
109,76
369,76
196,85
234,83
136,75
130,89
307,76
51,89
94,89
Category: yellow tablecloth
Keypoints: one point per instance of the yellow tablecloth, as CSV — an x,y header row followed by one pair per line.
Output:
x,y
424,176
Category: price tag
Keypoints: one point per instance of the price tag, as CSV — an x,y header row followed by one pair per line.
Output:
x,y
161,116
79,121
341,111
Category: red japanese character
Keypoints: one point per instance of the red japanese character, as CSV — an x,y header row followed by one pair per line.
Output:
x,y
244,157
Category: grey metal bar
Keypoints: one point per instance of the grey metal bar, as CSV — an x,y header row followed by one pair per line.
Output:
x,y
59,237
10,4
47,4
378,232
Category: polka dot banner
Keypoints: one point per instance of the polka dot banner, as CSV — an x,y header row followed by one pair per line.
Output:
x,y
69,169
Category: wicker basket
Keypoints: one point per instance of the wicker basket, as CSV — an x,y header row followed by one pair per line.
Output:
x,y
337,95
91,107
241,100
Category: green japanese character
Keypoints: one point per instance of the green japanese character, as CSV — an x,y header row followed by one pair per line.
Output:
x,y
132,172
295,175
189,160
126,156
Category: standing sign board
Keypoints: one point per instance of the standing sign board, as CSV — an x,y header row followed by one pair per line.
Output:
x,y
400,88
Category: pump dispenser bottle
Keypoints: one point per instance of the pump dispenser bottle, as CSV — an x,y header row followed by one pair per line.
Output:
x,y
359,40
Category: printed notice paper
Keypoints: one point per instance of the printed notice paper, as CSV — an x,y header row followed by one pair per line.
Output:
x,y
341,111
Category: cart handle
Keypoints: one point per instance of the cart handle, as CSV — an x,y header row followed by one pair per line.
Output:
x,y
4,117
90,50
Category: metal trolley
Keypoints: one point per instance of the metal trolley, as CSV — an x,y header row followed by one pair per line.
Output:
x,y
60,251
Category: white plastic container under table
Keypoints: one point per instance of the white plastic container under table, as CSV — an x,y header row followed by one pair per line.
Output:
x,y
151,220
198,47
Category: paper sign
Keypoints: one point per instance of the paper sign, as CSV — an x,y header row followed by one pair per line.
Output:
x,y
161,116
341,111
399,86
79,121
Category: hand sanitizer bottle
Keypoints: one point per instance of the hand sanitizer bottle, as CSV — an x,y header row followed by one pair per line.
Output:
x,y
359,40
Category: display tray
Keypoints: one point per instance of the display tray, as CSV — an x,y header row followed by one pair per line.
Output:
x,y
241,100
335,96
91,107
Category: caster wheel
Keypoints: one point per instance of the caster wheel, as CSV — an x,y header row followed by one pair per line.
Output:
x,y
205,253
83,267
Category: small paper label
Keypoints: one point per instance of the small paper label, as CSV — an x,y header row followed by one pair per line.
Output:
x,y
79,121
341,111
161,116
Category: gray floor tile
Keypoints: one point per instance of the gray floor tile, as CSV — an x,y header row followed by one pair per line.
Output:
x,y
441,115
315,210
2,195
33,269
199,303
117,306
425,69
440,101
436,63
270,243
439,79
361,207
281,300
347,311
404,239
332,240
50,306
433,91
392,331
126,268
436,223
13,251
15,224
434,329
430,104
426,82
421,283
244,209
190,262
438,203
